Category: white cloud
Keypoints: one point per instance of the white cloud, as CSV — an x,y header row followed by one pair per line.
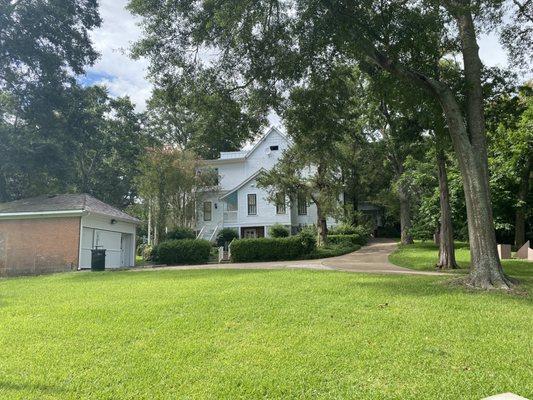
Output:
x,y
121,74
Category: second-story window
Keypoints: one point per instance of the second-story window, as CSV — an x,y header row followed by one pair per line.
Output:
x,y
302,204
252,204
280,204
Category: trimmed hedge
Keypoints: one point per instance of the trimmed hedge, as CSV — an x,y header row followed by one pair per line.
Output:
x,y
180,233
272,249
333,251
278,231
348,240
183,251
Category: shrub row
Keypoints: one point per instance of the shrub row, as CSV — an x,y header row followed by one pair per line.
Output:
x,y
333,251
184,251
272,249
348,240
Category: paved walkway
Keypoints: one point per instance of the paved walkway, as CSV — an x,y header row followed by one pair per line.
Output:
x,y
372,258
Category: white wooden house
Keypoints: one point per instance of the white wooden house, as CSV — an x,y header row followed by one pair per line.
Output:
x,y
239,203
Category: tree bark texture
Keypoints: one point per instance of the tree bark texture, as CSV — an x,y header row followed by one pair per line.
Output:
x,y
405,217
446,244
322,226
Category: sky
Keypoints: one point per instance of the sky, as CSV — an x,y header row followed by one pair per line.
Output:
x,y
124,76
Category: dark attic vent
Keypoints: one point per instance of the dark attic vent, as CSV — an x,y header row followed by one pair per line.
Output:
x,y
274,148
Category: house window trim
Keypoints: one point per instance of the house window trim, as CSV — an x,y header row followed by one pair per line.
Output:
x,y
210,211
302,205
252,207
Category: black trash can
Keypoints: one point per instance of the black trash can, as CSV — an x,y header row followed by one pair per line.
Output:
x,y
98,259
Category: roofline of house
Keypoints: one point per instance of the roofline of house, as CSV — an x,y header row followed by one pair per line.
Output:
x,y
224,160
61,213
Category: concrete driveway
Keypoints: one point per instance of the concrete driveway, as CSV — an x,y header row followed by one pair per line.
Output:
x,y
372,258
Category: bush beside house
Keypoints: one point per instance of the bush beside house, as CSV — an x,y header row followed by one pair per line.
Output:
x,y
185,251
180,233
278,231
348,240
302,246
226,235
272,249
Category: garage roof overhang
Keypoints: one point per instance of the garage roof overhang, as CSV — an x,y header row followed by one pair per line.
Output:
x,y
41,214
66,213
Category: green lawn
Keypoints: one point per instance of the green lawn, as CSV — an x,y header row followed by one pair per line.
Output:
x,y
424,255
259,334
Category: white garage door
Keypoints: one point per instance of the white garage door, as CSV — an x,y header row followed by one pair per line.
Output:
x,y
112,242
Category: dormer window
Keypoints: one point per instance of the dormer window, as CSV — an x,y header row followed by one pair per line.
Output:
x,y
274,148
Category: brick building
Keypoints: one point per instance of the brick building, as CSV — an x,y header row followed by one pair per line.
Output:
x,y
56,233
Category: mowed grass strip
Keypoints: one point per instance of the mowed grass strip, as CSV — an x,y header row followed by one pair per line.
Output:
x,y
423,256
259,334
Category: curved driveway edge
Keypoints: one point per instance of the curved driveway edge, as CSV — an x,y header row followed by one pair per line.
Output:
x,y
372,258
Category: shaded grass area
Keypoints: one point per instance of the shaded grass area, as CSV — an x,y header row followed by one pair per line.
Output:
x,y
424,256
226,334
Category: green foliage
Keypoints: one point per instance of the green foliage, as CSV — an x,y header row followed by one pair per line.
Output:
x,y
343,229
180,233
197,112
272,249
308,233
348,240
333,250
278,231
88,142
186,251
226,236
170,185
47,50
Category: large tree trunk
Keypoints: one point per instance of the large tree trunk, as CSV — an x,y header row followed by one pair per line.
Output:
x,y
322,226
321,222
446,245
405,217
485,271
523,191
469,145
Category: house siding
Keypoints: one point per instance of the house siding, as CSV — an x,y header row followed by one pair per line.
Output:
x,y
37,246
266,210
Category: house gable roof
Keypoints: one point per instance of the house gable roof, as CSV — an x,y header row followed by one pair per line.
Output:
x,y
262,139
62,203
228,157
243,183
